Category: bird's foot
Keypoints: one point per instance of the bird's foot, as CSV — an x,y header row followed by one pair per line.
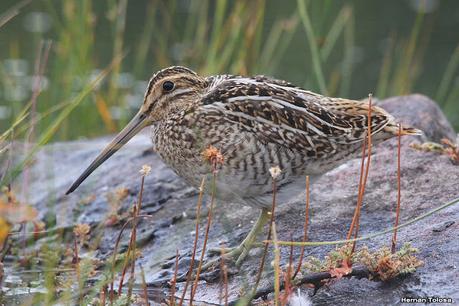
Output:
x,y
211,269
230,256
234,257
238,254
232,260
217,251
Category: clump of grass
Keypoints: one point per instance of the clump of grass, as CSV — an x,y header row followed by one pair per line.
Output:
x,y
381,263
388,265
446,147
332,260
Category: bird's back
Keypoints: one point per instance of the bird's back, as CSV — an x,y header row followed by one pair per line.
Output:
x,y
277,111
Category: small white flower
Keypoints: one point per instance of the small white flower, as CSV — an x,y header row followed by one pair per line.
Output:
x,y
275,171
145,170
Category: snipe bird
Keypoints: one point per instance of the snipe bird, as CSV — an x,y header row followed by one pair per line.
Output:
x,y
256,123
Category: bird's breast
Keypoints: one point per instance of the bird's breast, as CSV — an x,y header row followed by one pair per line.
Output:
x,y
181,150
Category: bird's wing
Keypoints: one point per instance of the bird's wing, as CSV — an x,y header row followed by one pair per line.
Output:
x,y
280,113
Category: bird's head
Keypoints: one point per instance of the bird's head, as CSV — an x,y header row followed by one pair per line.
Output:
x,y
169,91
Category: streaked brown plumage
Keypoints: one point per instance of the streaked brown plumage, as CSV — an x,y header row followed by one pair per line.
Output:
x,y
257,123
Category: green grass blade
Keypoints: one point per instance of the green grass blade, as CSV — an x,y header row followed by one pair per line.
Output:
x,y
384,74
313,45
12,12
346,68
335,31
448,76
46,136
404,76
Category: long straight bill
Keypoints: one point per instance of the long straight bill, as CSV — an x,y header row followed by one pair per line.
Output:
x,y
133,127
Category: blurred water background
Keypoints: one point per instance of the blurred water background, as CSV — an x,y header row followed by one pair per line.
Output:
x,y
51,51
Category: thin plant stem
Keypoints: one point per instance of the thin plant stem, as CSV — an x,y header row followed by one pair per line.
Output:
x,y
348,61
386,65
103,295
195,244
404,76
288,277
132,246
362,169
125,265
76,262
12,12
399,192
115,251
316,58
40,65
277,269
119,26
335,30
144,286
174,280
305,228
448,77
206,237
374,235
265,250
367,171
46,136
224,276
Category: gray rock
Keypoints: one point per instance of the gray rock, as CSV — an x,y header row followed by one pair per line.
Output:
x,y
421,112
428,180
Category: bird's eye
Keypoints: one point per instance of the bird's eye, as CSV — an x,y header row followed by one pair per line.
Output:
x,y
168,86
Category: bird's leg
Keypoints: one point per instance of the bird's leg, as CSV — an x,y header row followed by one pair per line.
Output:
x,y
239,253
247,244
